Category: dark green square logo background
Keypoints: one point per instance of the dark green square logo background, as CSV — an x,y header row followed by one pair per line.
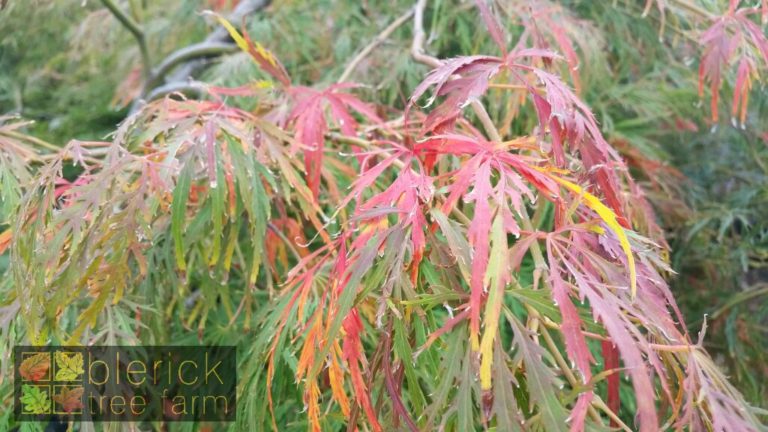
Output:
x,y
125,383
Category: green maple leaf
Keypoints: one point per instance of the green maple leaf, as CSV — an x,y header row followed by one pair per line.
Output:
x,y
69,366
35,400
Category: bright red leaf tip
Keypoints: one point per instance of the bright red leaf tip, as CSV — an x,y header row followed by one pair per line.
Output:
x,y
312,112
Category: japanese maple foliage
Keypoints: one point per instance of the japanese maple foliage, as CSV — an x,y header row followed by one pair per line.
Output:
x,y
733,39
464,279
462,199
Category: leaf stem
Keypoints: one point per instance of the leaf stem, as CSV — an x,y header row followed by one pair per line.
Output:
x,y
507,86
285,240
564,367
486,121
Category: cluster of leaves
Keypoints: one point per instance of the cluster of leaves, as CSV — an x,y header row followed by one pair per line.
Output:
x,y
431,275
710,207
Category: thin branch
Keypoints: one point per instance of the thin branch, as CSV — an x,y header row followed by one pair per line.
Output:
x,y
486,121
417,52
285,240
360,143
417,47
176,68
673,348
599,404
31,139
695,9
374,43
569,375
508,86
174,87
136,31
739,298
198,50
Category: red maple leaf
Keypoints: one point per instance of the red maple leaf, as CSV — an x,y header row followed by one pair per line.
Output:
x,y
312,112
35,367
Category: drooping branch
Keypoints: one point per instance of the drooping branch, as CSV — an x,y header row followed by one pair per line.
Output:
x,y
185,87
187,60
173,73
417,47
137,33
195,51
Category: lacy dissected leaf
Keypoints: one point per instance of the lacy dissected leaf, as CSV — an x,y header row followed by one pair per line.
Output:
x,y
498,276
593,276
473,76
728,410
609,217
570,123
312,113
262,56
490,21
572,325
323,330
542,382
194,164
17,155
35,400
506,190
732,39
353,355
550,26
69,366
505,406
507,194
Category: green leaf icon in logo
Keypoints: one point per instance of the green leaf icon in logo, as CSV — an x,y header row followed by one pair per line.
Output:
x,y
69,366
34,400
